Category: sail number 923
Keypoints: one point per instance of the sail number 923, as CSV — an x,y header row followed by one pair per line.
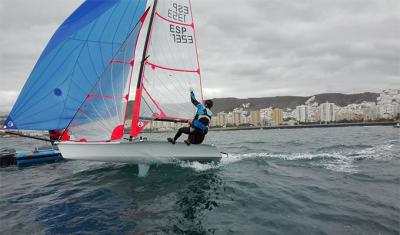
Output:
x,y
179,34
178,12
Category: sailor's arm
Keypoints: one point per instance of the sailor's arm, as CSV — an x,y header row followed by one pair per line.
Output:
x,y
193,98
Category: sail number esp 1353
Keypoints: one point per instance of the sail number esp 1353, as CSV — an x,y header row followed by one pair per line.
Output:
x,y
179,33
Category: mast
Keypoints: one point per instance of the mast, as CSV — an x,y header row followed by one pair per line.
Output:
x,y
135,129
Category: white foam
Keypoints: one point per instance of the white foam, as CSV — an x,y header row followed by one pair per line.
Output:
x,y
335,161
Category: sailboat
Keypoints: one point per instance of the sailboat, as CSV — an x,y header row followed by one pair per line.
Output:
x,y
82,82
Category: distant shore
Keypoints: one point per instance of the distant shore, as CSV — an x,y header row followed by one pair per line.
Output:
x,y
305,126
3,134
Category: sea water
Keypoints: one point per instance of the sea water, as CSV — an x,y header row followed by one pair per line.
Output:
x,y
302,181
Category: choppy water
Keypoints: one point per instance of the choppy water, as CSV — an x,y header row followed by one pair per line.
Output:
x,y
305,181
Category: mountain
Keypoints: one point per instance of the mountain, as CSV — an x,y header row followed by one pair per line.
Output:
x,y
228,104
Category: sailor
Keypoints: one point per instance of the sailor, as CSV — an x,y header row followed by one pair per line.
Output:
x,y
198,128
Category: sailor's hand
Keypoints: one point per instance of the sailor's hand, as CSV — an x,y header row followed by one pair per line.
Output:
x,y
191,89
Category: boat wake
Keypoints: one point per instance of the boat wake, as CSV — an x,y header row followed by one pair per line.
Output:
x,y
343,160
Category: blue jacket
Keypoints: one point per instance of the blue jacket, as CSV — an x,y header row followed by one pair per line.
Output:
x,y
203,115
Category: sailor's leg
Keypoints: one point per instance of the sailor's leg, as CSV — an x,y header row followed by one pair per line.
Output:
x,y
185,130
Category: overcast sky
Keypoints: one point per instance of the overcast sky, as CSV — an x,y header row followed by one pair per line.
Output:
x,y
248,48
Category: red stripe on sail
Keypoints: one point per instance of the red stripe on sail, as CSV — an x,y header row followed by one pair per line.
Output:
x,y
175,22
153,66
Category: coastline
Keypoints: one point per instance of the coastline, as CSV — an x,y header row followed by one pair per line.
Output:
x,y
305,126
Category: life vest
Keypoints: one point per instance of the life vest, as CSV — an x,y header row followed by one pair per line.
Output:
x,y
203,120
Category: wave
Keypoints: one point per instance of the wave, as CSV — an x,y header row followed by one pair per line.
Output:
x,y
343,147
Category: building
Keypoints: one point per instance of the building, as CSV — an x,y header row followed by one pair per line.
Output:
x,y
266,116
388,104
222,119
369,111
277,116
229,119
327,112
288,114
237,118
214,122
302,113
255,118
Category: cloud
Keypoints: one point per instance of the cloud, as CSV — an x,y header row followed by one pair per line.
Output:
x,y
259,48
247,48
7,99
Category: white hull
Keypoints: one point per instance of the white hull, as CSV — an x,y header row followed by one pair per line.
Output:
x,y
146,152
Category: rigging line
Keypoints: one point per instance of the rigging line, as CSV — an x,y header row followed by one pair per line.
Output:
x,y
48,93
154,101
98,79
151,110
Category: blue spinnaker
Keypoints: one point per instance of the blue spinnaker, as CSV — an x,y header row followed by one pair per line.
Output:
x,y
73,61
